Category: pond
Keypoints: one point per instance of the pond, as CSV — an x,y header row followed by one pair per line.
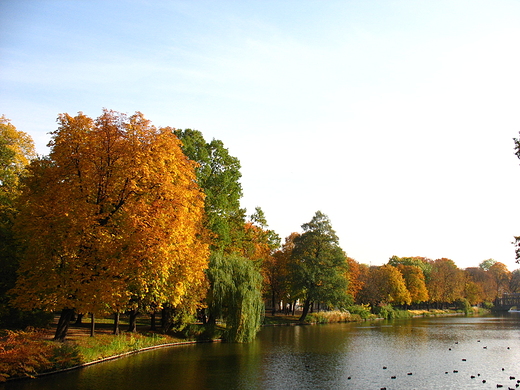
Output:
x,y
422,353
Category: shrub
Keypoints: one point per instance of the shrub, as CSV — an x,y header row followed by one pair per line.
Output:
x,y
26,354
363,311
324,317
487,305
389,313
385,311
463,305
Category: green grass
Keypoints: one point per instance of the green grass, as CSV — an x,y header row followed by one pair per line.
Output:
x,y
103,346
280,320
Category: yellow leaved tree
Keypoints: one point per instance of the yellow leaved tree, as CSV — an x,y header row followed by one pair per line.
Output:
x,y
111,221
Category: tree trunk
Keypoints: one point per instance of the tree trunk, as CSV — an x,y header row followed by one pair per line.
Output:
x,y
132,321
63,324
152,321
92,324
116,324
166,319
78,319
306,307
273,300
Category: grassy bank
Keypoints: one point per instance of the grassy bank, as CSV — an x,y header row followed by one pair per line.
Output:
x,y
30,353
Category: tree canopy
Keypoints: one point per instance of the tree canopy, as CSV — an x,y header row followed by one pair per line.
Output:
x,y
319,265
218,174
16,152
111,219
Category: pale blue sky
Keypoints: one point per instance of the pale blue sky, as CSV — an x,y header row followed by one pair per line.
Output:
x,y
395,118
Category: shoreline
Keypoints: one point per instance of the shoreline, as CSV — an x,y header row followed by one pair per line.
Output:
x,y
283,322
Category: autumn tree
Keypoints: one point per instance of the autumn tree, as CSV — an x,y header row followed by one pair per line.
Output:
x,y
259,245
483,285
446,283
355,282
218,174
235,296
16,151
111,220
501,278
393,286
423,263
366,291
415,283
319,267
276,274
385,285
473,291
259,241
514,284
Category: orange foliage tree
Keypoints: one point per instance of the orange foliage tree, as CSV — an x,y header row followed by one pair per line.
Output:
x,y
446,282
277,274
355,281
479,285
501,277
415,283
111,220
383,284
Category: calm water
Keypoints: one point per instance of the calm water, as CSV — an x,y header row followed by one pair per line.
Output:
x,y
340,356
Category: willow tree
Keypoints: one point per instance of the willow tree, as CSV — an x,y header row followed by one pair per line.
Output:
x,y
235,296
319,266
111,220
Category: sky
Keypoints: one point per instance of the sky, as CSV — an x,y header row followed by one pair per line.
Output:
x,y
394,118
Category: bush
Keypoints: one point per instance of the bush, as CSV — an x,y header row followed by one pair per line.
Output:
x,y
26,354
324,317
389,313
463,305
363,311
385,311
487,305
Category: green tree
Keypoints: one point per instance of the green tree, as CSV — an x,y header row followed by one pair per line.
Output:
x,y
319,265
487,264
218,174
235,296
422,262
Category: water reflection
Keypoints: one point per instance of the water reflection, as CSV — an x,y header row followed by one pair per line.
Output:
x,y
351,356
